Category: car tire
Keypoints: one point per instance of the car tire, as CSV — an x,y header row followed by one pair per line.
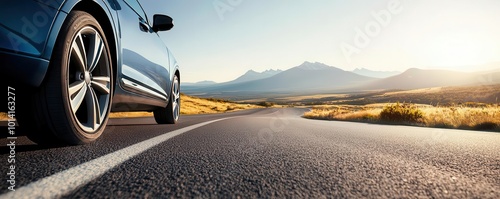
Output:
x,y
73,103
170,114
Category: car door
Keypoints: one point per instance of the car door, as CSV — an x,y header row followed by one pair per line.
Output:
x,y
145,65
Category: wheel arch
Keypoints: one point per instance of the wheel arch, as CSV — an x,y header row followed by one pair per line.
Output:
x,y
101,12
105,19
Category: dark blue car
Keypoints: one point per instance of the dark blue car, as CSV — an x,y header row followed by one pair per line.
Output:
x,y
72,62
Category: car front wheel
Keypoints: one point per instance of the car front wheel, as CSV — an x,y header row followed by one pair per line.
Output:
x,y
73,104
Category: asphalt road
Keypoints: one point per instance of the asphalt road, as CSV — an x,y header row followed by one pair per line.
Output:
x,y
260,154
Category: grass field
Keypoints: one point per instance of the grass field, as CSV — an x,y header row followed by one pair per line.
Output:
x,y
437,96
471,116
189,106
461,107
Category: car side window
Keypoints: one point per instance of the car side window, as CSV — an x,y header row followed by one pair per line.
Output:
x,y
134,4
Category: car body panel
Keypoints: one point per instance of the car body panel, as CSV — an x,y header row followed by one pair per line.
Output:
x,y
24,38
140,50
26,32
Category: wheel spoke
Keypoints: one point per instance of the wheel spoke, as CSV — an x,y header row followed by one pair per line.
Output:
x,y
96,46
175,99
174,96
176,109
174,105
93,109
101,84
79,97
75,87
175,91
78,50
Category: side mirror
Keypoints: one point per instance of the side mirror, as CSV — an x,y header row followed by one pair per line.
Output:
x,y
162,23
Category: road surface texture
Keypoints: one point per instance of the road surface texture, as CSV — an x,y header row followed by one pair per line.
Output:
x,y
262,153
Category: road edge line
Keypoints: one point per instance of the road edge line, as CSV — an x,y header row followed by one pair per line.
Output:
x,y
64,182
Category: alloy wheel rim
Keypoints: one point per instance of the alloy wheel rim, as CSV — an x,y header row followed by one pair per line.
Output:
x,y
89,79
176,99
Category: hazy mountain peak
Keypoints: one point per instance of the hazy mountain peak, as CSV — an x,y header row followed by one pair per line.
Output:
x,y
206,82
272,71
313,66
251,72
414,70
252,75
268,71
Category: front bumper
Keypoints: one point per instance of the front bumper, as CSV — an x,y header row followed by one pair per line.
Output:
x,y
22,69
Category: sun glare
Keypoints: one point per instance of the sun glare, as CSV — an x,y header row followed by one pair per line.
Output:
x,y
454,34
456,50
456,54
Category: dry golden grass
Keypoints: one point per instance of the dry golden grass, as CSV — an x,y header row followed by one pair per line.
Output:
x,y
194,105
344,112
459,117
130,114
189,106
416,91
462,117
3,116
443,95
311,97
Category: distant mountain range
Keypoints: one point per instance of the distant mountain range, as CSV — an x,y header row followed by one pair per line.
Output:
x,y
200,83
317,77
417,78
376,74
310,77
250,75
306,77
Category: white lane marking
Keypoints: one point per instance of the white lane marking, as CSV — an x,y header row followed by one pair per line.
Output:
x,y
66,181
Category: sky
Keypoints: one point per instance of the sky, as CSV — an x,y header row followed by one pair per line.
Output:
x,y
220,40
